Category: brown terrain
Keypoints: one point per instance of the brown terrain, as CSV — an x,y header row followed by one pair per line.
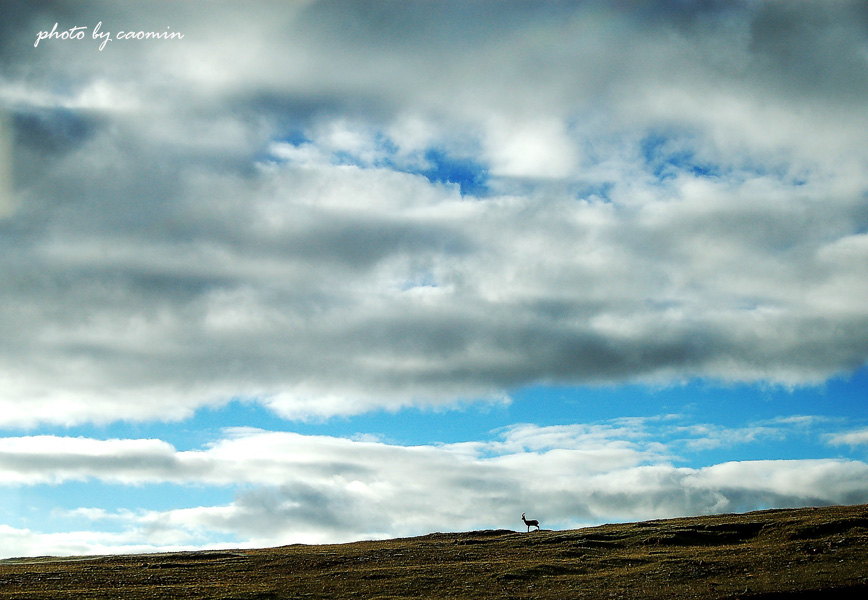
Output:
x,y
775,554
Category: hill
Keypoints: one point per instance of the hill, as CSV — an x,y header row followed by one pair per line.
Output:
x,y
770,555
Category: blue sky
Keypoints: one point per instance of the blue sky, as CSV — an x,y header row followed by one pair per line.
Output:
x,y
329,271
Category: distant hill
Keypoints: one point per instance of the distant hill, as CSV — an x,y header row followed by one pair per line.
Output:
x,y
776,554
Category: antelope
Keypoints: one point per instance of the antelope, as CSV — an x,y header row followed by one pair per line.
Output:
x,y
530,523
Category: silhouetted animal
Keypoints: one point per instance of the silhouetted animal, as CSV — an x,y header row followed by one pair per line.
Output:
x,y
530,523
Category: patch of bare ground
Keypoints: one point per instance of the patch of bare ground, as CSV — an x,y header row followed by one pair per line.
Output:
x,y
799,554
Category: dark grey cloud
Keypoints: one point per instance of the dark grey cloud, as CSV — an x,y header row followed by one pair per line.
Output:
x,y
821,62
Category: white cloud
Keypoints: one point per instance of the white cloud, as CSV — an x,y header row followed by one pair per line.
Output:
x,y
649,204
706,437
535,148
296,488
20,543
849,438
292,286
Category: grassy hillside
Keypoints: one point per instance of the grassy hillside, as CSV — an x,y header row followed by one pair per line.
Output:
x,y
777,554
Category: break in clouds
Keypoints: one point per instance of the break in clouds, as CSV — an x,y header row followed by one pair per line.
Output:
x,y
336,207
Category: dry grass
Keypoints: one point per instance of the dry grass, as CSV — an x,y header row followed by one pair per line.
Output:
x,y
802,553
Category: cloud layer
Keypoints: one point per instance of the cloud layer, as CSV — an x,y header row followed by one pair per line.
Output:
x,y
294,488
334,207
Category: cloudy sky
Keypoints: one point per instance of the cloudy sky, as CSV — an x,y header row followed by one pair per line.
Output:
x,y
327,271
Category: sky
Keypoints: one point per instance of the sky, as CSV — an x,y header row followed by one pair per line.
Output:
x,y
316,272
